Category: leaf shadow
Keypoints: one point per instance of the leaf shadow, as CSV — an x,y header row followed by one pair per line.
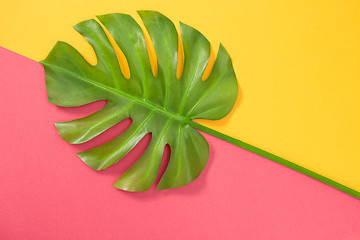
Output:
x,y
192,189
116,170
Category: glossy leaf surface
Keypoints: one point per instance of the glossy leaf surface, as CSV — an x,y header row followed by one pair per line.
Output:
x,y
162,105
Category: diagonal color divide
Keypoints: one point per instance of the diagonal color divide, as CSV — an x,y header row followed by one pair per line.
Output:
x,y
239,194
160,104
298,75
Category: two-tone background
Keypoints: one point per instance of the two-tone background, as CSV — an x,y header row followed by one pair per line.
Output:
x,y
297,65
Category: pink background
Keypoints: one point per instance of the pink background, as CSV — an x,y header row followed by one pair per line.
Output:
x,y
47,192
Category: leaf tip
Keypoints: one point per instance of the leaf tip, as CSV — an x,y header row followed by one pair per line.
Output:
x,y
143,12
149,12
84,157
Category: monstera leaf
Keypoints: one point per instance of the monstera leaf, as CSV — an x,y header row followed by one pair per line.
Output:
x,y
162,105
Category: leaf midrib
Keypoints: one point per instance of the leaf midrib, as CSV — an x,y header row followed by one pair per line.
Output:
x,y
176,116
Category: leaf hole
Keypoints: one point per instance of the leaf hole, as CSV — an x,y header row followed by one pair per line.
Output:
x,y
181,58
124,65
81,111
209,65
106,136
164,164
150,49
79,42
149,45
129,159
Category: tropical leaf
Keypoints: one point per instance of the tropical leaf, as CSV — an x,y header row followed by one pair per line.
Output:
x,y
162,105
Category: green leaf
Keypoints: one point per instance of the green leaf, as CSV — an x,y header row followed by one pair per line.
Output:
x,y
163,105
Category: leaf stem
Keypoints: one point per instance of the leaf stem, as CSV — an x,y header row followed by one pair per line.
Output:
x,y
275,158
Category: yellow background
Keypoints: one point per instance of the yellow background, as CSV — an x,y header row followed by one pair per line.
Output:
x,y
297,63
